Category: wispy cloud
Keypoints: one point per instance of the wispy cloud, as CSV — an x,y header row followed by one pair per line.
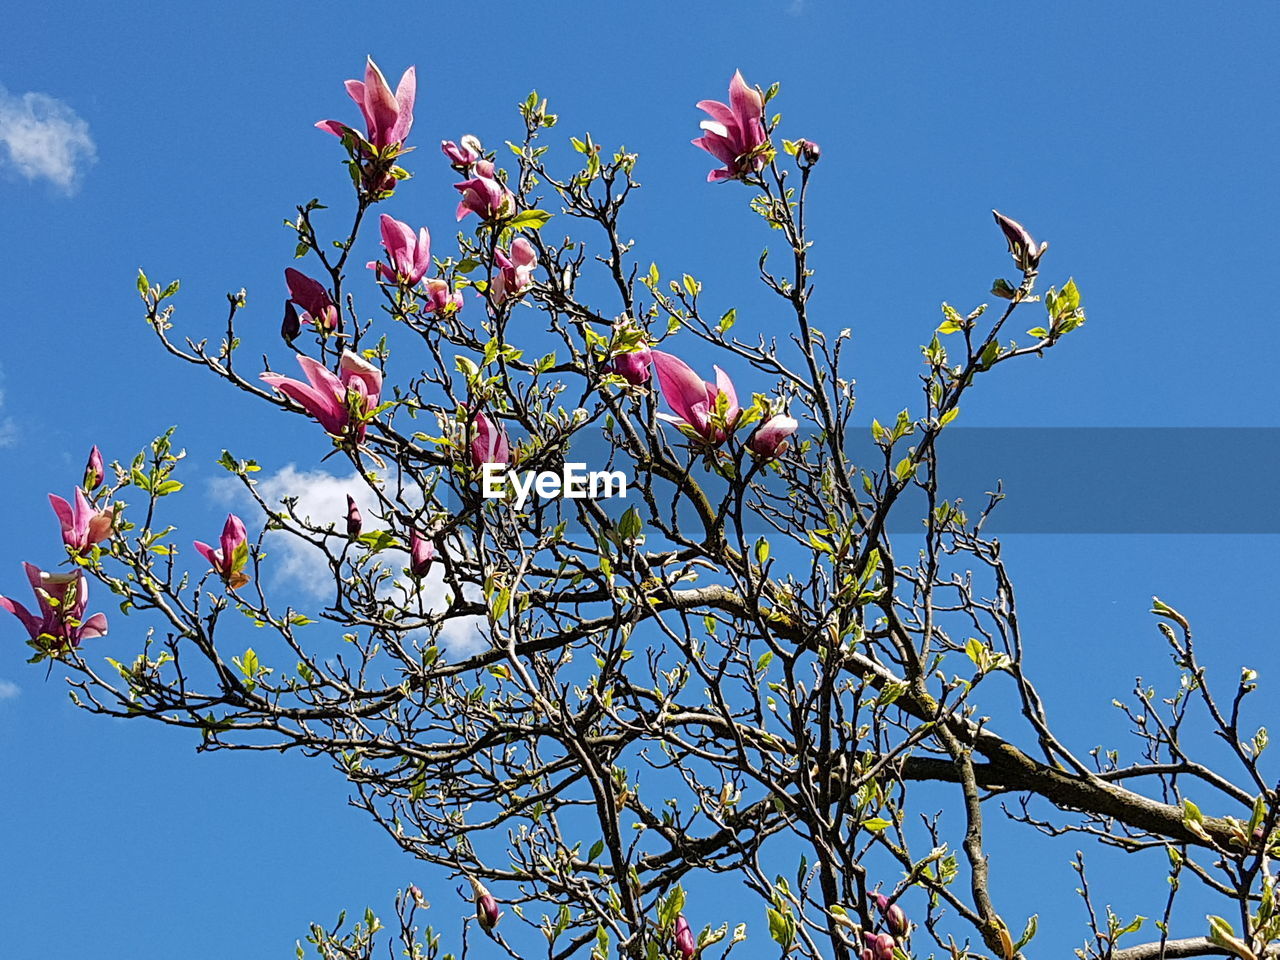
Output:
x,y
8,433
45,139
322,498
8,689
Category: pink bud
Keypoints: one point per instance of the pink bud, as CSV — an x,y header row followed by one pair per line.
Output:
x,y
291,325
94,471
770,439
1022,248
421,552
809,151
355,523
686,945
894,916
632,367
487,911
489,443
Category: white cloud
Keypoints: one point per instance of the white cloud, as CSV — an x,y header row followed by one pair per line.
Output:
x,y
8,689
45,139
322,499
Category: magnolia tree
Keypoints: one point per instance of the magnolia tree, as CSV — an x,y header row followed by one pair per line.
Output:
x,y
597,717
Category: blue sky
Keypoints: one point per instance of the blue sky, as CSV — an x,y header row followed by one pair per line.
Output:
x,y
1139,139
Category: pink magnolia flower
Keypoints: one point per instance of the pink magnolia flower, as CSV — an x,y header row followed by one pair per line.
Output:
x,y
409,253
355,522
632,366
313,298
387,117
82,525
487,911
483,195
342,403
694,400
59,622
735,133
686,945
94,471
464,154
488,443
770,438
514,274
229,559
441,299
421,552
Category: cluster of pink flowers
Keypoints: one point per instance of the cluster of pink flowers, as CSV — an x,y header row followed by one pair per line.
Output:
x,y
58,623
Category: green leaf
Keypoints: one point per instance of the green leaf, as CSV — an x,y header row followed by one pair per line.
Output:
x,y
762,550
530,220
630,524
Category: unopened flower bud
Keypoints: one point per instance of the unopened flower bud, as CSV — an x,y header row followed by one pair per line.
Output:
x,y
686,945
895,918
487,911
94,471
1022,248
421,552
809,151
632,366
355,523
291,326
770,439
418,899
